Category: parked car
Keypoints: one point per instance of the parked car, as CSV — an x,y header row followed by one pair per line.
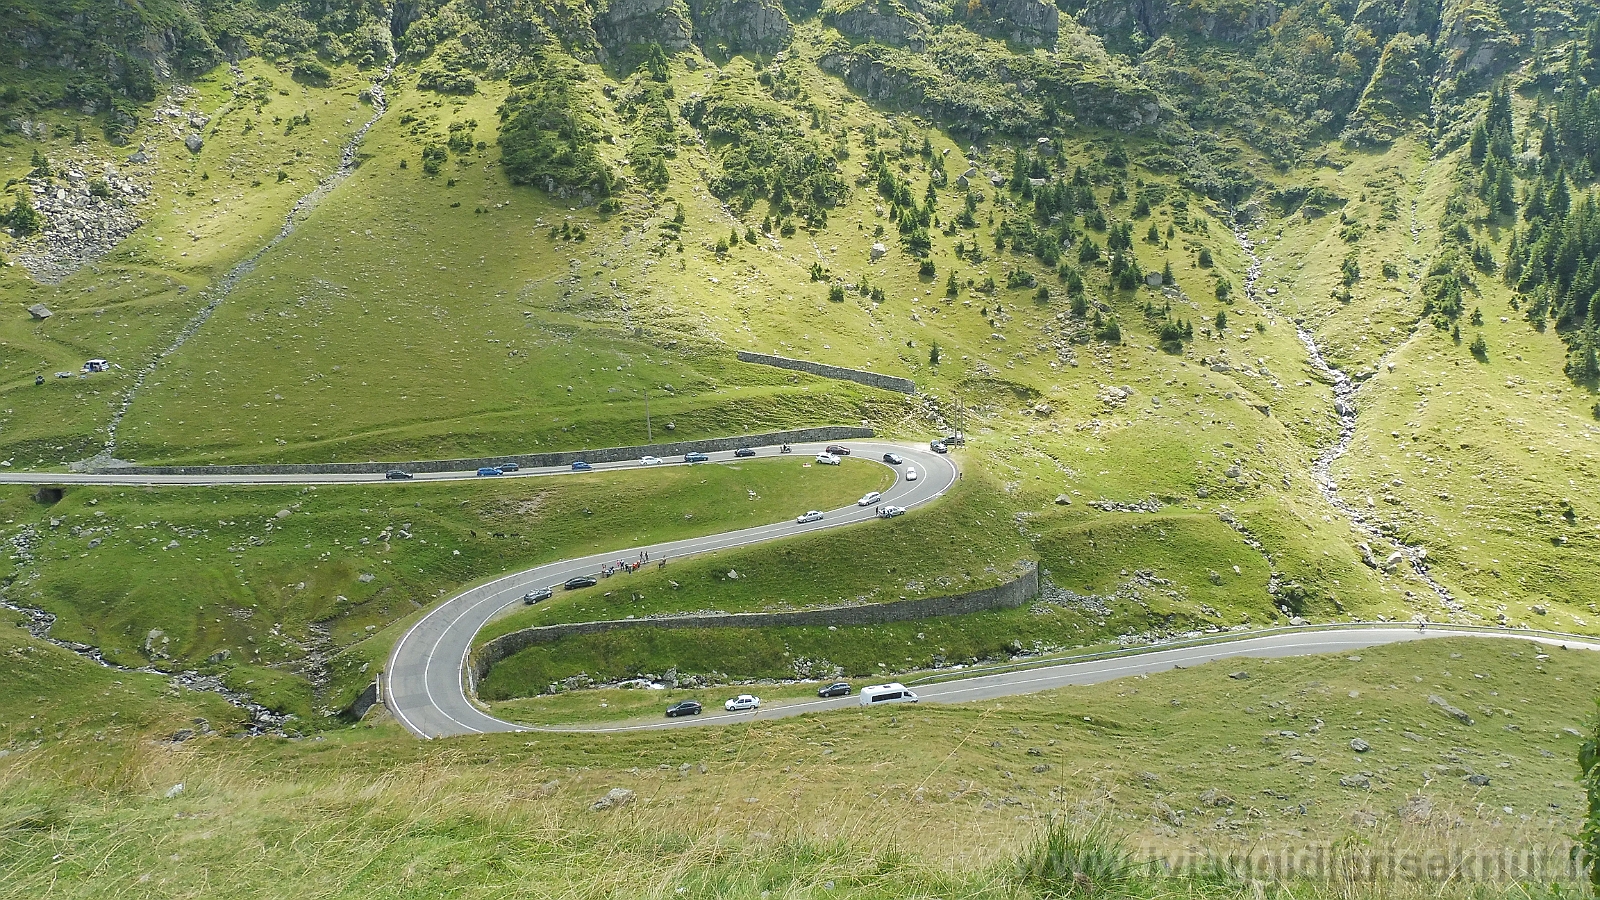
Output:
x,y
955,439
580,581
396,475
537,596
837,689
581,466
892,459
742,702
889,512
837,450
827,459
696,457
911,474
812,516
650,461
893,692
510,467
870,498
488,470
683,708
744,451
938,447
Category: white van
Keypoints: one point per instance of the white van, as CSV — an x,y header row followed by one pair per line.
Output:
x,y
893,692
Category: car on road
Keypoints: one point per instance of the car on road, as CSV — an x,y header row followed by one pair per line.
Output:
x,y
696,457
744,451
893,692
488,470
827,459
397,475
683,708
870,498
650,461
837,689
742,702
580,581
892,459
812,516
889,512
837,450
938,447
510,467
537,596
581,466
911,474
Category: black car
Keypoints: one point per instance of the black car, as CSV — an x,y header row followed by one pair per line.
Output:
x,y
938,447
892,459
836,450
837,689
396,475
509,467
744,451
537,596
685,708
580,581
695,457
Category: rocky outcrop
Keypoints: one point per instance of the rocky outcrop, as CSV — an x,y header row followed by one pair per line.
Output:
x,y
631,23
1031,23
88,209
883,21
1473,39
742,24
1395,99
1154,18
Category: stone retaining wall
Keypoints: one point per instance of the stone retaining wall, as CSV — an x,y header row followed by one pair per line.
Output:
x,y
1006,596
870,379
365,702
526,460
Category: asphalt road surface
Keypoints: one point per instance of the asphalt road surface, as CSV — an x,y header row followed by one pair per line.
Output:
x,y
425,685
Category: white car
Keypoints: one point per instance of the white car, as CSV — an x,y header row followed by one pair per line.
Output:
x,y
911,474
742,703
827,459
650,461
889,512
869,499
812,516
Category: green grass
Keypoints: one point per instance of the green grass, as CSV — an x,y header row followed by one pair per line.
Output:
x,y
340,567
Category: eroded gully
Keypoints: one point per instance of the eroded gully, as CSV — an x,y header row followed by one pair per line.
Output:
x,y
1344,404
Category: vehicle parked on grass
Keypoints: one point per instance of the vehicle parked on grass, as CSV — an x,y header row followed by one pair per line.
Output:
x,y
893,692
889,512
744,451
537,596
696,457
954,439
581,466
396,475
487,471
938,447
510,467
827,459
650,461
837,450
837,689
911,474
892,459
869,498
580,581
683,708
812,516
742,702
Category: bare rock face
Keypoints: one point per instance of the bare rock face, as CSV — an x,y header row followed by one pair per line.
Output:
x,y
742,24
888,22
1154,18
1031,23
634,22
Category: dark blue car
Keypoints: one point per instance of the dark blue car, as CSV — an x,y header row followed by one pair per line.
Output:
x,y
696,457
488,470
581,466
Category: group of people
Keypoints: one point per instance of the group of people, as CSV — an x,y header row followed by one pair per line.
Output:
x,y
626,566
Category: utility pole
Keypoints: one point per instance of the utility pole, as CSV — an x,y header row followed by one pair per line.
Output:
x,y
648,434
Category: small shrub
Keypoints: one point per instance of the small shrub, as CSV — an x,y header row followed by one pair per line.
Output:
x,y
925,268
1480,349
836,293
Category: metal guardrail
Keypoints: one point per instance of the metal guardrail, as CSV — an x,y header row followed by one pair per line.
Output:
x,y
1045,662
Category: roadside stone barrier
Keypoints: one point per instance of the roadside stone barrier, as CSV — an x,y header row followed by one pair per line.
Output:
x,y
859,376
526,460
1012,594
